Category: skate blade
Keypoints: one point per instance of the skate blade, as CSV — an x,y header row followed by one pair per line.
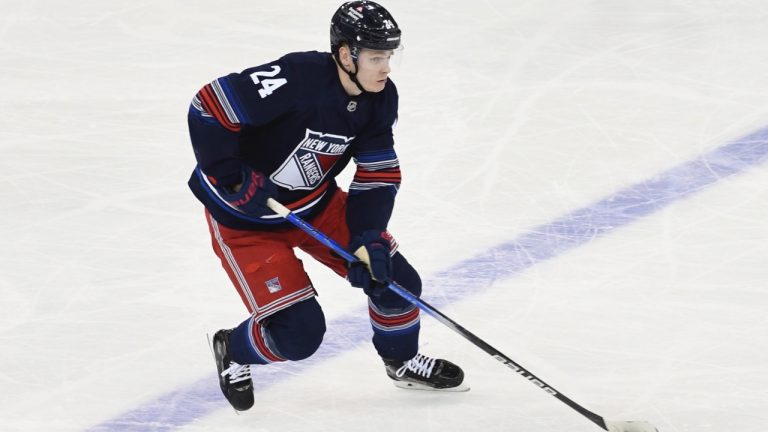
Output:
x,y
210,345
415,386
630,426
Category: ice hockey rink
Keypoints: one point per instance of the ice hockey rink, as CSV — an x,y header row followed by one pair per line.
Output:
x,y
585,188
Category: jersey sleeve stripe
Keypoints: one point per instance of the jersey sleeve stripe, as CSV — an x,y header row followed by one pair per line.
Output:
x,y
228,100
392,176
197,105
377,169
212,103
355,187
374,166
375,156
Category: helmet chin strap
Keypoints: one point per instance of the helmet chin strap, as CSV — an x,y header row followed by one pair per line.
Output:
x,y
352,75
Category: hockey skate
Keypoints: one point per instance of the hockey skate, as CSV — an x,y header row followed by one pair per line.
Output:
x,y
426,373
234,379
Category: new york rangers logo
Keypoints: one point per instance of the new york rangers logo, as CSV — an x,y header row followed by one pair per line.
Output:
x,y
273,285
312,159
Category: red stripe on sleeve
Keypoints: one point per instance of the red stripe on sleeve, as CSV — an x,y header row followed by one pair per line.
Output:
x,y
213,106
388,176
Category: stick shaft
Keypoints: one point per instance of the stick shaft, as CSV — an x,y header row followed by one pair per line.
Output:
x,y
432,311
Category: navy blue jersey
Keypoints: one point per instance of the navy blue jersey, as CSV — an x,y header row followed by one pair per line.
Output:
x,y
292,120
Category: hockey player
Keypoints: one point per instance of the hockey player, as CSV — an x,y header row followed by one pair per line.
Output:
x,y
285,130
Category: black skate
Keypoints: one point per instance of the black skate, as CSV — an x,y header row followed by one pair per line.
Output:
x,y
426,373
234,379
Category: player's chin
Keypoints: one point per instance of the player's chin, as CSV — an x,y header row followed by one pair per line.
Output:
x,y
379,85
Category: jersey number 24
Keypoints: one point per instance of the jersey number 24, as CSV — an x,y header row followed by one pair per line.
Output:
x,y
268,81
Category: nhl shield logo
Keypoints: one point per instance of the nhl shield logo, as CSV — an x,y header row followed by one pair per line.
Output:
x,y
311,160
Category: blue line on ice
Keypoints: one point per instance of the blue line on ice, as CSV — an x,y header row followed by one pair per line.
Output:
x,y
199,399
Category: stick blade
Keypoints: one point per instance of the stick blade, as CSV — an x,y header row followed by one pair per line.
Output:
x,y
630,426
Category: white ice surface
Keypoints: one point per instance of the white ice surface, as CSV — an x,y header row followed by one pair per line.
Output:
x,y
512,115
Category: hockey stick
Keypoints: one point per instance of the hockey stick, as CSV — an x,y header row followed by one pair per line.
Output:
x,y
361,255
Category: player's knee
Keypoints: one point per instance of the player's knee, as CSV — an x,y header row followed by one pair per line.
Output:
x,y
405,275
298,330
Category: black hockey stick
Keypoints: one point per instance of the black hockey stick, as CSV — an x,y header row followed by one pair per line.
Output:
x,y
361,255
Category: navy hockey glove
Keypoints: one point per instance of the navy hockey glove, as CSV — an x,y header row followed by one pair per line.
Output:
x,y
252,196
373,280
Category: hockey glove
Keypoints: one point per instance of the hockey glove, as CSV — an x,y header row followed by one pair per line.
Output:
x,y
372,279
252,196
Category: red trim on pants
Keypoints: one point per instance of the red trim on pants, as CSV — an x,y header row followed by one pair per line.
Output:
x,y
263,267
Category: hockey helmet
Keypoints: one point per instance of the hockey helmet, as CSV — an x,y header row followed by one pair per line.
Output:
x,y
364,24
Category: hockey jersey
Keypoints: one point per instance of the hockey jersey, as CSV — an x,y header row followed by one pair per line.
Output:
x,y
292,120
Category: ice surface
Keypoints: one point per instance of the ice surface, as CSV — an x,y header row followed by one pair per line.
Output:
x,y
584,188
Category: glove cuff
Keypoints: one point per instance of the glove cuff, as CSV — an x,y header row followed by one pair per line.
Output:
x,y
372,236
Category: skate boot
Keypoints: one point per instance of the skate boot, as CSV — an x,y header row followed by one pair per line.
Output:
x,y
234,379
426,373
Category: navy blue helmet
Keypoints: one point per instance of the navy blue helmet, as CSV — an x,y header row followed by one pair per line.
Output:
x,y
364,24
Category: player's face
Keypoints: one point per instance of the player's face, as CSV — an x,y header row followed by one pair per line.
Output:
x,y
373,69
